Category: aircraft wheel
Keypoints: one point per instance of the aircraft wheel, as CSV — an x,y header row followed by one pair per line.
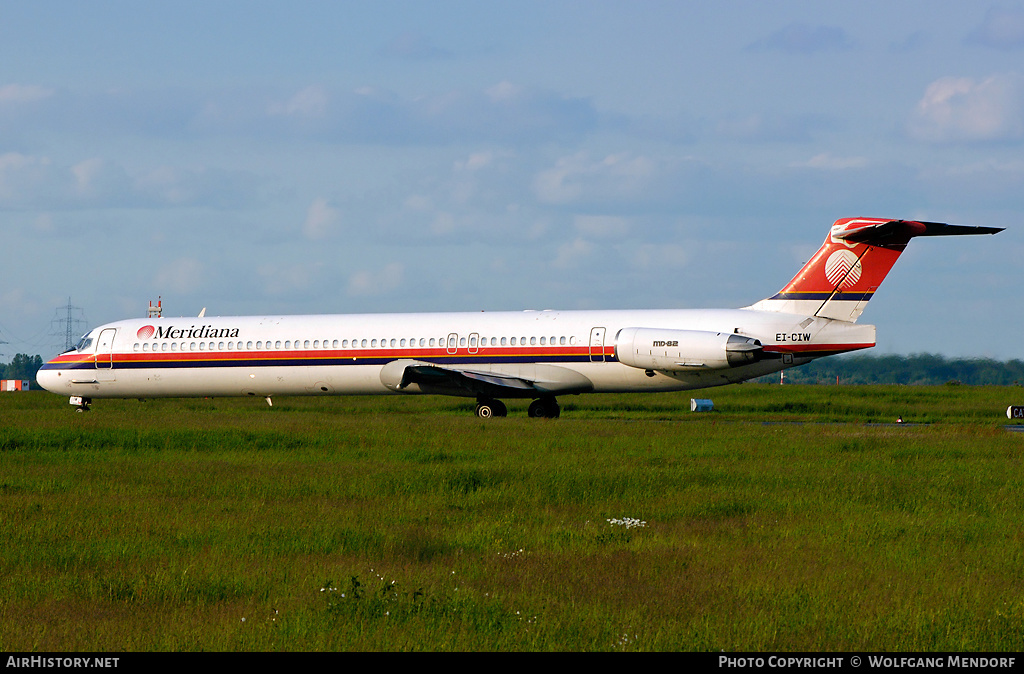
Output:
x,y
485,409
544,409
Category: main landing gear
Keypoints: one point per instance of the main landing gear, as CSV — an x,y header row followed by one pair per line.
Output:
x,y
542,408
487,408
546,408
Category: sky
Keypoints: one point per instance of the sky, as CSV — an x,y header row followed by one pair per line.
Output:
x,y
265,157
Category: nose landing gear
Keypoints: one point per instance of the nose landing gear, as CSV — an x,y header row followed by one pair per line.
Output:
x,y
82,403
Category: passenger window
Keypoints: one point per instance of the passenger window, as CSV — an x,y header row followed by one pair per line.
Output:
x,y
462,341
336,343
277,344
392,342
542,341
423,341
503,340
174,346
533,341
220,346
136,347
202,346
513,341
163,347
316,343
305,344
432,341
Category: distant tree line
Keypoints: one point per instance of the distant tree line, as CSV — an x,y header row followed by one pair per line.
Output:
x,y
22,366
923,368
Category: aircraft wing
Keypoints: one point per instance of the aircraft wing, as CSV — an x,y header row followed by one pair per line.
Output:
x,y
505,381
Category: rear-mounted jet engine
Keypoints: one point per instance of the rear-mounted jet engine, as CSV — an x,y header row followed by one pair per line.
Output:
x,y
682,350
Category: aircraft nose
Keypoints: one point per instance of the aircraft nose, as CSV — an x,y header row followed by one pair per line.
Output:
x,y
49,379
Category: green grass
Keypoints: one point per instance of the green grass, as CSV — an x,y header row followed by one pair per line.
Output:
x,y
408,524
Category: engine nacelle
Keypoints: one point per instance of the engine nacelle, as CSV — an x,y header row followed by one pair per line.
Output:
x,y
683,350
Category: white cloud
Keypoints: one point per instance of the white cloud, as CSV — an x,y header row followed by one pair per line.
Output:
x,y
1002,29
98,179
183,275
801,38
23,93
311,102
321,220
23,178
505,91
413,46
573,253
376,282
284,278
38,181
602,226
829,162
475,162
660,256
578,176
963,109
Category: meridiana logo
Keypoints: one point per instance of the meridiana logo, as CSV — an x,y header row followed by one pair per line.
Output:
x,y
191,332
843,268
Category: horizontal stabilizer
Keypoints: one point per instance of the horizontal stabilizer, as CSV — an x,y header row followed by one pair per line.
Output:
x,y
898,232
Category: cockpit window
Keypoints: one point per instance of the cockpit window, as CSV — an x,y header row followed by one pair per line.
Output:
x,y
84,343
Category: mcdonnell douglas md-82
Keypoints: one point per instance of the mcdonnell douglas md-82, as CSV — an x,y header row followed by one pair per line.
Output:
x,y
494,355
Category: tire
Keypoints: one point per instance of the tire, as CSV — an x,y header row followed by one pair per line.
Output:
x,y
487,409
544,408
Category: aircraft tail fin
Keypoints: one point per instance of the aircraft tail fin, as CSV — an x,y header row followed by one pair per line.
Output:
x,y
844,274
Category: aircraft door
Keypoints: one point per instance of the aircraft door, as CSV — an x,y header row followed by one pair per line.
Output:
x,y
105,355
597,345
474,340
453,343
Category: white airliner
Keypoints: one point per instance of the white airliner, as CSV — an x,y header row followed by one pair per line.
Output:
x,y
495,355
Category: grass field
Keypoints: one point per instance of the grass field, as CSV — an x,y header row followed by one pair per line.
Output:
x,y
406,523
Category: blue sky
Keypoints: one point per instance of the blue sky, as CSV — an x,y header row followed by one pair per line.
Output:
x,y
337,157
